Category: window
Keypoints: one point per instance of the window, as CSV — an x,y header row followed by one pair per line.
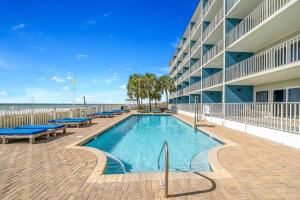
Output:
x,y
294,95
279,96
262,96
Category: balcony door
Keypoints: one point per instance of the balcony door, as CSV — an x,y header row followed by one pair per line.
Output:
x,y
279,96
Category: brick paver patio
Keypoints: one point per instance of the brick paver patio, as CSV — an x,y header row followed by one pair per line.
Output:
x,y
260,169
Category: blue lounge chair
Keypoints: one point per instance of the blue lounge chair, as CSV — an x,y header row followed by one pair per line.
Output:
x,y
101,114
72,121
117,112
17,133
49,127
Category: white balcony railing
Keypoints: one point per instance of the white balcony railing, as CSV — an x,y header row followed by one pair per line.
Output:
x,y
195,27
229,4
280,55
213,52
186,58
186,90
196,66
214,23
260,14
195,87
213,80
207,6
279,116
196,46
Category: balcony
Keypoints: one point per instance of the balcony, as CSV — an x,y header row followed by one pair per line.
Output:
x,y
186,90
184,76
229,4
196,66
195,87
207,6
213,24
213,53
269,18
185,59
196,46
195,27
280,62
213,80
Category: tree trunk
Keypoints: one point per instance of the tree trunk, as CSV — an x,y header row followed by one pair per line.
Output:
x,y
149,101
155,103
167,96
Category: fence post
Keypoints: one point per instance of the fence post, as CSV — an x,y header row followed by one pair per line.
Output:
x,y
31,116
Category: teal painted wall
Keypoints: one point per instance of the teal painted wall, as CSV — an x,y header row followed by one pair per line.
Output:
x,y
231,23
206,72
212,97
238,93
232,58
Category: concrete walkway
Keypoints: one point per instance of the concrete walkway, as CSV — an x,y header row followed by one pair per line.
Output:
x,y
259,168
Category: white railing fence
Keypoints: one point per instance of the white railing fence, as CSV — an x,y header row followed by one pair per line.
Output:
x,y
196,45
213,80
13,117
279,116
196,66
229,4
195,87
280,55
207,7
257,16
213,24
213,52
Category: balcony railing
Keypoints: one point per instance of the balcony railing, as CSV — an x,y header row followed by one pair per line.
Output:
x,y
186,58
260,14
196,66
185,90
207,6
279,116
280,55
213,80
196,45
214,23
213,52
180,66
195,87
196,25
229,4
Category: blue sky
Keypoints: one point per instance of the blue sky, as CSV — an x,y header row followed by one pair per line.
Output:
x,y
99,42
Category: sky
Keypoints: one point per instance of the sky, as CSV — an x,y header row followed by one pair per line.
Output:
x,y
45,43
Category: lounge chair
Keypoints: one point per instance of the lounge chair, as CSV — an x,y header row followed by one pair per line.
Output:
x,y
49,127
144,111
72,121
101,115
156,110
17,133
117,112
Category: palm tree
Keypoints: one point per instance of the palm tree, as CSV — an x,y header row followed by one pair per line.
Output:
x,y
167,86
156,95
149,82
133,87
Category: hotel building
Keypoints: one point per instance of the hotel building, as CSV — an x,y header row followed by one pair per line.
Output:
x,y
241,59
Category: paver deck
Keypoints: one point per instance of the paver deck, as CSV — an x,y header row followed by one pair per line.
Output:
x,y
260,169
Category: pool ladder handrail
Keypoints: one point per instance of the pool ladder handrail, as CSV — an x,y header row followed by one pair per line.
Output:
x,y
165,146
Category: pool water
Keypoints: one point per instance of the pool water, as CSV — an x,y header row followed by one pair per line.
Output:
x,y
134,145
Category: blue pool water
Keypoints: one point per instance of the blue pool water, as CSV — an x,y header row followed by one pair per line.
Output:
x,y
134,145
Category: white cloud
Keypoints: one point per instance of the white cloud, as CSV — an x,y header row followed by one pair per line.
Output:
x,y
69,78
164,69
19,27
94,80
107,14
81,56
123,87
175,43
40,79
5,65
90,22
66,88
3,93
57,79
109,80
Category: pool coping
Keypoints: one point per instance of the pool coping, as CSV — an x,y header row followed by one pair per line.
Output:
x,y
98,176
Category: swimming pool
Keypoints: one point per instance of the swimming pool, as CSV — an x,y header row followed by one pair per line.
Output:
x,y
134,145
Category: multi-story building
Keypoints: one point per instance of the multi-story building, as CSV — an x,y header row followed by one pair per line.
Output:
x,y
241,59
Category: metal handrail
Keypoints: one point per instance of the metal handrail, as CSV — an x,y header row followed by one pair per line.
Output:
x,y
165,146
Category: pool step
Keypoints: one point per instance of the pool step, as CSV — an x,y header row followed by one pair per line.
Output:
x,y
198,162
114,165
